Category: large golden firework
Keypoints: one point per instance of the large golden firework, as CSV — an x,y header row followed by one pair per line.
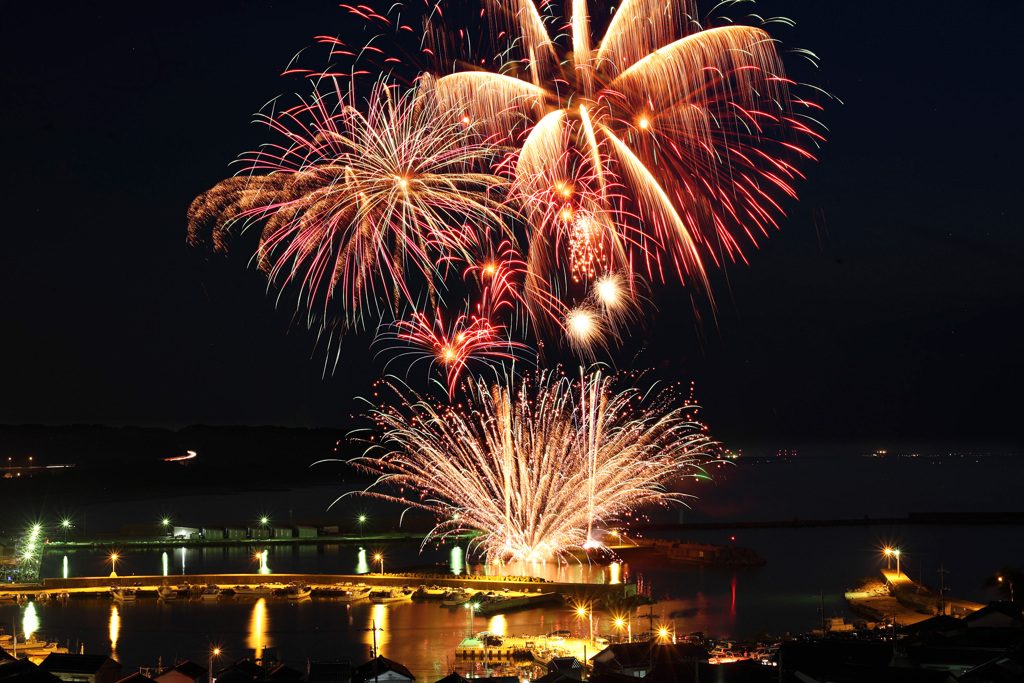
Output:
x,y
535,467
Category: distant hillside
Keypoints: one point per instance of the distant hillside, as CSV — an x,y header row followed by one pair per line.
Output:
x,y
132,461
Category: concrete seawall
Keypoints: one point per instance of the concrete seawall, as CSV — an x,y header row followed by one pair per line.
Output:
x,y
574,591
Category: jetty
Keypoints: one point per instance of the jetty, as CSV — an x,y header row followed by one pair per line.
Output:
x,y
896,597
531,591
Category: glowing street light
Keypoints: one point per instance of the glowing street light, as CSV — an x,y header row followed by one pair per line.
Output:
x,y
362,521
113,564
65,524
471,606
215,652
896,552
581,612
1009,581
166,524
888,557
379,558
619,622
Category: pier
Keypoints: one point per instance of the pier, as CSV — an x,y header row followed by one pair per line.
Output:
x,y
542,590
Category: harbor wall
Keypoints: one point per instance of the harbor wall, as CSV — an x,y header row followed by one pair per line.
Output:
x,y
579,591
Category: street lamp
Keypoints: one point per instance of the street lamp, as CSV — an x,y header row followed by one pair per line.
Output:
x,y
113,564
472,615
213,653
896,552
65,523
165,523
362,521
263,526
619,621
1009,581
379,558
582,611
888,557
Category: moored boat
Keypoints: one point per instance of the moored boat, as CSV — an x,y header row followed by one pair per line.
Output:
x,y
297,591
122,594
210,593
383,595
167,593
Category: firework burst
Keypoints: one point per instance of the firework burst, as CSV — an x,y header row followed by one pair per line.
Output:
x,y
534,467
352,202
663,147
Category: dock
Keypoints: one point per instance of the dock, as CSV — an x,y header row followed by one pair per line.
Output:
x,y
897,597
532,592
515,603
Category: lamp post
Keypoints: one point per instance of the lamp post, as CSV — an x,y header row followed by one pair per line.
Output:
x,y
379,558
65,523
1009,581
619,621
362,521
896,552
582,611
263,527
165,523
113,564
472,615
888,557
215,652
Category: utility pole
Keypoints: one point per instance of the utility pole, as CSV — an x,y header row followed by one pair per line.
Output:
x,y
942,571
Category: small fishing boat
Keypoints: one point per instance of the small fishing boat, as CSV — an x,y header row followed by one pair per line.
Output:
x,y
297,591
380,596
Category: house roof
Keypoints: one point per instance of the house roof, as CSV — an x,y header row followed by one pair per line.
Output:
x,y
646,654
246,665
329,671
282,673
136,678
73,663
997,614
453,677
377,666
561,663
24,671
187,668
558,677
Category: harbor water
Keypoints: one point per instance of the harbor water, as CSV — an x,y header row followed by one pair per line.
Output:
x,y
804,568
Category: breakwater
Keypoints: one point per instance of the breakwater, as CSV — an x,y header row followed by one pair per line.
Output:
x,y
574,591
945,518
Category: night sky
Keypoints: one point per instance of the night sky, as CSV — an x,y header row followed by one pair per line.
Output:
x,y
885,311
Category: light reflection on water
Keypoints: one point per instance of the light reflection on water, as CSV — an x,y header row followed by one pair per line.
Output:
x,y
30,620
258,627
782,595
115,630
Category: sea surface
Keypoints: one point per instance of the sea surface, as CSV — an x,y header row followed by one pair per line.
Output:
x,y
805,568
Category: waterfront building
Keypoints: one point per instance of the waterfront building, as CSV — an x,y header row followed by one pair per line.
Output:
x,y
22,671
380,668
329,671
648,659
184,672
75,668
566,666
